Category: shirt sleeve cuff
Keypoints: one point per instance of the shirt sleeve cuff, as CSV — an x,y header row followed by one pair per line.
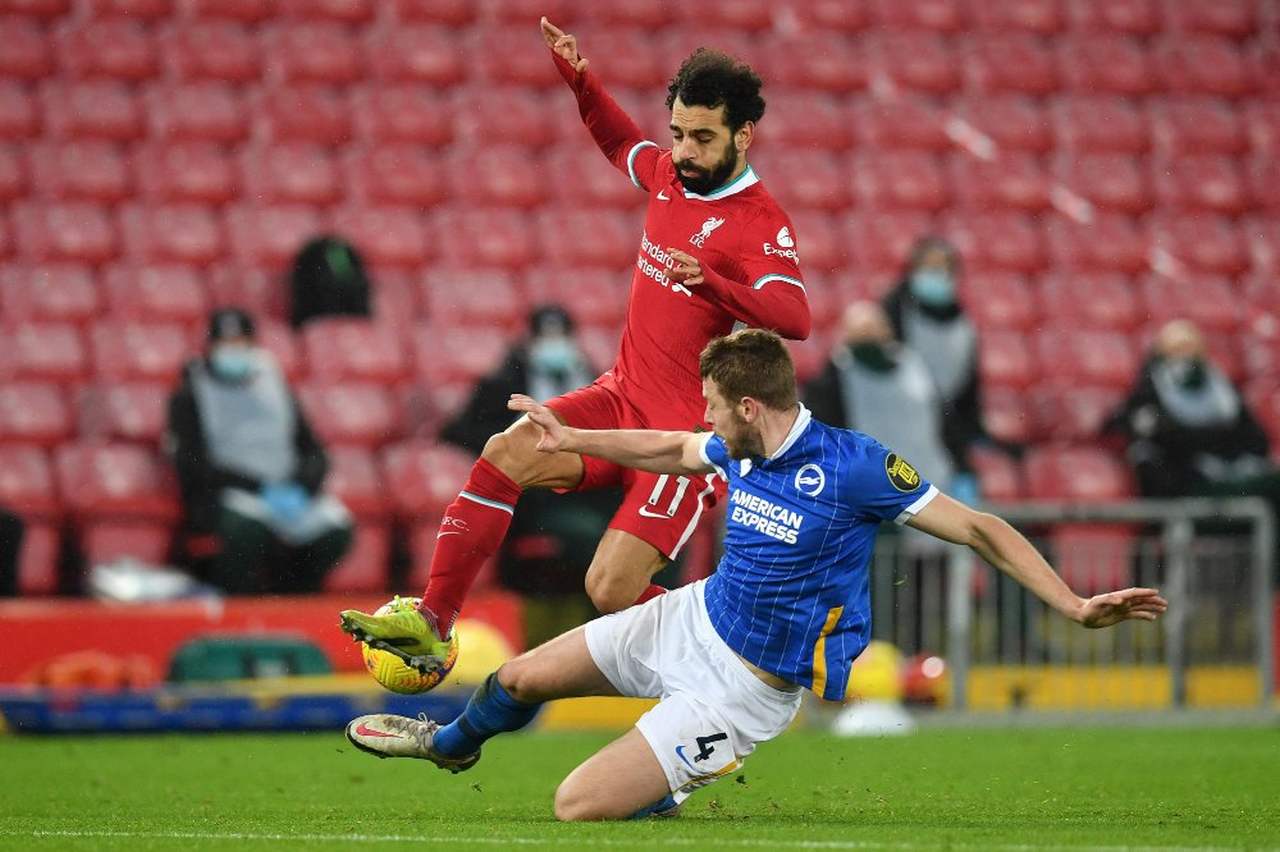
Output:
x,y
706,459
915,508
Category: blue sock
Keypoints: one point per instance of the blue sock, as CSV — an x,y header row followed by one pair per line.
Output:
x,y
490,711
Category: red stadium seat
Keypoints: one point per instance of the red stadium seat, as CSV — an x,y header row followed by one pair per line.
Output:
x,y
173,233
908,122
1112,181
1207,65
449,352
1262,123
402,113
126,411
600,345
396,174
1070,412
1204,242
200,172
909,180
278,340
395,298
353,12
74,231
1005,414
117,481
1005,359
631,61
107,542
1090,299
578,176
27,483
1076,474
45,10
594,296
1110,241
941,15
1000,300
484,238
733,15
423,478
999,476
43,351
819,241
89,170
1231,18
112,49
1209,301
802,119
13,178
506,56
305,113
1109,63
245,11
26,53
505,113
32,413
454,13
1264,179
386,236
1099,124
1045,17
817,59
213,50
130,350
1200,182
261,292
1105,358
157,293
1263,234
677,44
204,111
613,240
365,568
1005,240
654,14
353,349
477,298
57,292
314,53
355,479
1260,356
19,118
1011,62
270,236
1197,126
500,176
417,54
914,59
104,110
1132,17
514,12
38,560
302,173
1012,121
1016,180
805,178
882,241
360,413
134,10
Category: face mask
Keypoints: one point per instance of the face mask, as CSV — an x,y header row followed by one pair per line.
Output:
x,y
1190,373
232,363
874,356
553,355
933,287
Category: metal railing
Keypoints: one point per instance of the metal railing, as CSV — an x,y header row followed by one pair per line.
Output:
x,y
1212,559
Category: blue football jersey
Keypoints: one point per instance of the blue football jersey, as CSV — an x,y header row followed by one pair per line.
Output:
x,y
791,593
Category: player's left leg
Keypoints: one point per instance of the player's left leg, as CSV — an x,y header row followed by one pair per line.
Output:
x,y
619,781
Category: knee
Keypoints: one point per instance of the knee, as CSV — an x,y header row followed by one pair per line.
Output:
x,y
610,591
574,804
501,451
520,679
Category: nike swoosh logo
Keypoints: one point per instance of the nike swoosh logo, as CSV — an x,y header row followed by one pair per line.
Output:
x,y
680,754
662,196
362,731
443,534
645,513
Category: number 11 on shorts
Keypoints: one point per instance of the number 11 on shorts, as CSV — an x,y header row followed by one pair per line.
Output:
x,y
650,510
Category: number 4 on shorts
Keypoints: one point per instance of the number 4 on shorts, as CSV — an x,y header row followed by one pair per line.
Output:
x,y
705,748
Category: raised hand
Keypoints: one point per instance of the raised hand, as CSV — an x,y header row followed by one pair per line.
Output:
x,y
564,46
687,269
553,431
1113,607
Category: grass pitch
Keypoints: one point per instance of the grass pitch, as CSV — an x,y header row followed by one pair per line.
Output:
x,y
979,789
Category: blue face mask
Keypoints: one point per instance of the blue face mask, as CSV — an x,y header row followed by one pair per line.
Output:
x,y
933,287
553,355
233,363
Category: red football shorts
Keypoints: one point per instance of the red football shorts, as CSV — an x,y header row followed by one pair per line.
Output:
x,y
660,509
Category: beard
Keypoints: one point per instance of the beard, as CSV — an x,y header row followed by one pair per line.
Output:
x,y
709,180
745,442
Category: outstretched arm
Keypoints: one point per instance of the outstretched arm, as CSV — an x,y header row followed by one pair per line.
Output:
x,y
1004,547
642,449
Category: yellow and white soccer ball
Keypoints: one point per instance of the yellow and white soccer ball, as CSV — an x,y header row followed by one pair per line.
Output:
x,y
390,671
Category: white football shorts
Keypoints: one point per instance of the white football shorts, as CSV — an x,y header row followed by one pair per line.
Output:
x,y
713,710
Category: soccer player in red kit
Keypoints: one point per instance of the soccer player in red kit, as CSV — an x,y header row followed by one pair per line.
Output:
x,y
716,250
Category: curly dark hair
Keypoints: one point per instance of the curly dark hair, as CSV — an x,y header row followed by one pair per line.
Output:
x,y
710,78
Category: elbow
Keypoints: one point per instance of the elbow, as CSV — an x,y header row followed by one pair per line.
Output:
x,y
798,327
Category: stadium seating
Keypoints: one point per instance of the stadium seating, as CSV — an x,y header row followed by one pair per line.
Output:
x,y
115,482
199,172
132,349
34,413
358,413
293,173
402,113
55,292
1074,472
18,114
1107,62
132,412
136,10
88,170
43,351
115,48
157,293
353,349
212,50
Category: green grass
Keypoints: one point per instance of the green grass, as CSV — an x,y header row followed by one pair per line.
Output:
x,y
980,789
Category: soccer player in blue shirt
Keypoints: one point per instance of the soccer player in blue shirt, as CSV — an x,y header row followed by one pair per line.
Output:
x,y
788,607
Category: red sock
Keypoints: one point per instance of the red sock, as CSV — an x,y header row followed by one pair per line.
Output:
x,y
470,532
650,593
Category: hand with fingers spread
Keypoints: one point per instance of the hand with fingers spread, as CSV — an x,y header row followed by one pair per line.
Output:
x,y
1113,607
554,434
687,269
565,46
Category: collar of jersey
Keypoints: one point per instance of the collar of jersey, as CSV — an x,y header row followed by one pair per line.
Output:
x,y
741,182
797,429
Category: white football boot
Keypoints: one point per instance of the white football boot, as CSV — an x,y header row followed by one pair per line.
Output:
x,y
388,735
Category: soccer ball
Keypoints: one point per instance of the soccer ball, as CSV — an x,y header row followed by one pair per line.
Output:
x,y
390,671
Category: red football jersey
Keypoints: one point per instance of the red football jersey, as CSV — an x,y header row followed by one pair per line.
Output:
x,y
745,244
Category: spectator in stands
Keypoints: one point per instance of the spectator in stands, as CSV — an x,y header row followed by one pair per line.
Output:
x,y
1189,430
553,537
250,469
11,532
